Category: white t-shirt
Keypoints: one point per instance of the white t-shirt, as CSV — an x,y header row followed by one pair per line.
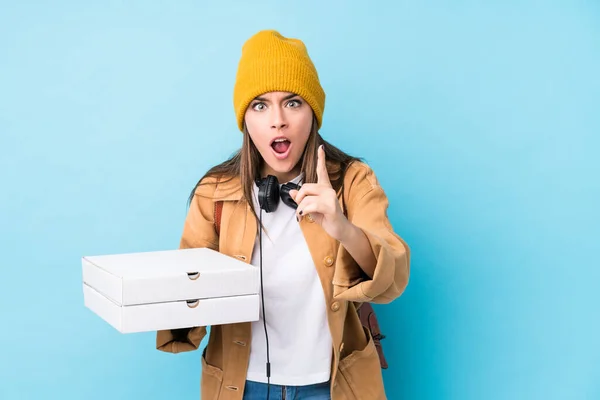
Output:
x,y
300,344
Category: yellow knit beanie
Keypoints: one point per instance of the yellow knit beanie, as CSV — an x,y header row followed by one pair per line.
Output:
x,y
271,62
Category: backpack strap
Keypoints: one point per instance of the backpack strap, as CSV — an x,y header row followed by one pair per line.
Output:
x,y
218,211
369,320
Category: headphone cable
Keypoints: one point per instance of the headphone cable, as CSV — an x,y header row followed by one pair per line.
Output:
x,y
263,307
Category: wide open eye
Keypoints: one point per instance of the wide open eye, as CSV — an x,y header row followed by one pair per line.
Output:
x,y
294,103
259,106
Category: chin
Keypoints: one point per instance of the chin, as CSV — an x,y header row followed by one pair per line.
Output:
x,y
282,167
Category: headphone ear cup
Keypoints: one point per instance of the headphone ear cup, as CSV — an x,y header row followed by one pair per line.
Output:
x,y
285,194
268,193
261,183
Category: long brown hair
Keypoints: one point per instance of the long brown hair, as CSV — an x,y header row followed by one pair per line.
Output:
x,y
246,163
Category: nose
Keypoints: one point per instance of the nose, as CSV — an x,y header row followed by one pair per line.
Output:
x,y
279,120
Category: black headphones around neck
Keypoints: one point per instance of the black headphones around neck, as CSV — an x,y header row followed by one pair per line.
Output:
x,y
268,198
269,193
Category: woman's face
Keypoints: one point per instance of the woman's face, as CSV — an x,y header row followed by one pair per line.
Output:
x,y
279,124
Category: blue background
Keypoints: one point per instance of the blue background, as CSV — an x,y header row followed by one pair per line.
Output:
x,y
482,121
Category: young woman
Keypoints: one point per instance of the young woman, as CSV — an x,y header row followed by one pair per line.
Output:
x,y
325,245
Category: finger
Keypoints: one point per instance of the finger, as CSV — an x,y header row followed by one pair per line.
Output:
x,y
314,204
307,203
312,208
308,189
322,175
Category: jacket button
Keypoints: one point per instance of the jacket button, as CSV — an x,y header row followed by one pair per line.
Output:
x,y
335,306
328,261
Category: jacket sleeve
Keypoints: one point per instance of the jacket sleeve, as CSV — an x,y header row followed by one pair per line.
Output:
x,y
198,231
367,209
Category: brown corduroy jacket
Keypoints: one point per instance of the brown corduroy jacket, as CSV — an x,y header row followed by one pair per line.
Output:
x,y
355,370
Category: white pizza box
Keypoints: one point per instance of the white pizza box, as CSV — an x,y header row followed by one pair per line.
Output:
x,y
171,289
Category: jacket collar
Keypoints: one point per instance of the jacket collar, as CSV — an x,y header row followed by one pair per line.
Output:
x,y
229,190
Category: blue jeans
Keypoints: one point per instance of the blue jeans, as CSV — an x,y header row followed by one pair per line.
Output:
x,y
258,391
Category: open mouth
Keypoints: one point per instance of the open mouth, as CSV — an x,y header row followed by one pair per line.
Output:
x,y
281,145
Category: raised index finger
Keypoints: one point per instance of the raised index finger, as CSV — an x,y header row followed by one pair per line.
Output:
x,y
322,175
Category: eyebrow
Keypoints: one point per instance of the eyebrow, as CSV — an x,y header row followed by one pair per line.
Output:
x,y
289,96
